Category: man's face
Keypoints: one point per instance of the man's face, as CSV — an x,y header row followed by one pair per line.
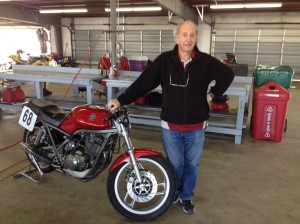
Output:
x,y
186,38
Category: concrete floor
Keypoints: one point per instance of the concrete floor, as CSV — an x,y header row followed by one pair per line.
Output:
x,y
257,182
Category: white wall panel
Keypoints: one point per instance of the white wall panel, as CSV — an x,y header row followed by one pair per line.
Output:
x,y
270,39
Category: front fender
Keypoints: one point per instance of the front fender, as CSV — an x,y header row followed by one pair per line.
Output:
x,y
139,152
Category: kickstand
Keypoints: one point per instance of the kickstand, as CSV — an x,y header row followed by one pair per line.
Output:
x,y
31,170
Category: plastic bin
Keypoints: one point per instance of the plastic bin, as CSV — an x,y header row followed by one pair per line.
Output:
x,y
269,111
138,63
282,74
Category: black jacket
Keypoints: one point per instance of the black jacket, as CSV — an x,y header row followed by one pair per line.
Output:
x,y
181,105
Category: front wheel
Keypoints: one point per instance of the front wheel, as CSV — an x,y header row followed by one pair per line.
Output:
x,y
146,200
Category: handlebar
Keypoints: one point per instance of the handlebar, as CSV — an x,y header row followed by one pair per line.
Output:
x,y
119,113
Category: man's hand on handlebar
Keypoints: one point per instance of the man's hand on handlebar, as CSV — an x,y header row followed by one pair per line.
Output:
x,y
113,104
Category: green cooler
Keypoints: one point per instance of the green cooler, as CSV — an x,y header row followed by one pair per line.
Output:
x,y
281,74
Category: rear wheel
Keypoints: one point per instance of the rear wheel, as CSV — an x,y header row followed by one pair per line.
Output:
x,y
28,138
146,200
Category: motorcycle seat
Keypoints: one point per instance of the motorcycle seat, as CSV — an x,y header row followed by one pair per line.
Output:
x,y
47,111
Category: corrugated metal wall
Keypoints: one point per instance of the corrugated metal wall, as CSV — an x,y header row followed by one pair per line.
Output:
x,y
148,43
259,47
251,46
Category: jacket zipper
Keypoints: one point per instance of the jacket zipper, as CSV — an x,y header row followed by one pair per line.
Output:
x,y
184,99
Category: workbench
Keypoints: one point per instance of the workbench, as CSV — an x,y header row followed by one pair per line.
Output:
x,y
88,78
219,122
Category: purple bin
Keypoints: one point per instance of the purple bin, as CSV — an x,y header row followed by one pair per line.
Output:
x,y
138,63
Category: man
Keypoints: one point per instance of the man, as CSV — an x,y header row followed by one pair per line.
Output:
x,y
184,74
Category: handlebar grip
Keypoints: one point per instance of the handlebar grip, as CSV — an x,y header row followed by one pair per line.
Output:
x,y
115,114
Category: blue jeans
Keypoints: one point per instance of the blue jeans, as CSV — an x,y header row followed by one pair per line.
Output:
x,y
184,150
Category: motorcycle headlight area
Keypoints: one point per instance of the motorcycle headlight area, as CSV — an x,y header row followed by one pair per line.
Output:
x,y
145,191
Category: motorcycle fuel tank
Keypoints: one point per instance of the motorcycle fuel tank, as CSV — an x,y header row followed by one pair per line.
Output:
x,y
89,117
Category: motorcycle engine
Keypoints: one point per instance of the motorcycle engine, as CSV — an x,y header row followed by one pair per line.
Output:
x,y
77,160
81,152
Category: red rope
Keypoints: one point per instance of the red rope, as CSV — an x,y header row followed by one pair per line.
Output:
x,y
14,173
11,166
10,146
88,58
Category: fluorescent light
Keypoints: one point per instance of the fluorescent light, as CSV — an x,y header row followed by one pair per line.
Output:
x,y
120,10
241,6
263,5
135,9
227,6
63,10
140,9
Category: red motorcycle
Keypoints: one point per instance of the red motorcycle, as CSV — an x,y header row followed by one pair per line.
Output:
x,y
141,183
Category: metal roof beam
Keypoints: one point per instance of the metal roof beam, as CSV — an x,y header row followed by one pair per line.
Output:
x,y
27,17
179,8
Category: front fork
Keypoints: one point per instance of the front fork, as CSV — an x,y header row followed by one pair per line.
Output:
x,y
131,153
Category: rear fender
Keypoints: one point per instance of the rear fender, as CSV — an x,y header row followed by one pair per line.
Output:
x,y
139,152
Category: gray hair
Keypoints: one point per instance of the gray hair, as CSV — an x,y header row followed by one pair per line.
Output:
x,y
178,26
